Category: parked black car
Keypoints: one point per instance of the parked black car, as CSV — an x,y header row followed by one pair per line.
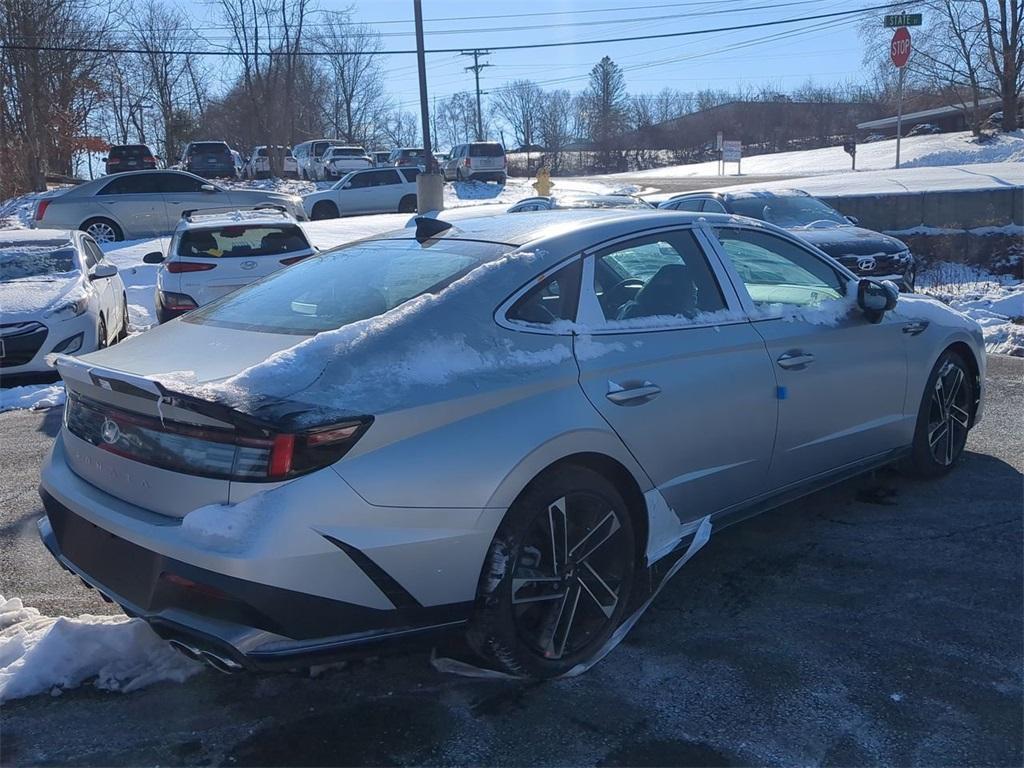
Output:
x,y
209,159
864,252
130,157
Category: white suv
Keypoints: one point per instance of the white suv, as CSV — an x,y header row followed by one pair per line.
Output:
x,y
307,157
338,161
213,254
483,160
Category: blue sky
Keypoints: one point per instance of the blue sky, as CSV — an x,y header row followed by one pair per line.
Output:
x,y
828,51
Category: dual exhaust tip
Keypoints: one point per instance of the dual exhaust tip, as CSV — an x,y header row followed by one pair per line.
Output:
x,y
211,659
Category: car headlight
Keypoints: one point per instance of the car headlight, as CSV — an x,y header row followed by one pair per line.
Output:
x,y
69,309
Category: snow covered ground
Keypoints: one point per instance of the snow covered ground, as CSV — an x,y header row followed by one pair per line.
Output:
x,y
996,302
41,654
915,151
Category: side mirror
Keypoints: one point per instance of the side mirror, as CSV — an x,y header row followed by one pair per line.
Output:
x,y
853,220
208,188
102,271
347,185
876,298
153,257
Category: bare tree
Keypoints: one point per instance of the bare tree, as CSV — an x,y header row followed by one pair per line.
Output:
x,y
456,118
401,129
519,104
162,32
356,103
554,125
1004,33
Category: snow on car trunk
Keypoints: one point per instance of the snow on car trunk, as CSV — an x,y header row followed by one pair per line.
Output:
x,y
41,654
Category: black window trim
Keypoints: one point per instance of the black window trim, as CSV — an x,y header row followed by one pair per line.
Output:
x,y
739,287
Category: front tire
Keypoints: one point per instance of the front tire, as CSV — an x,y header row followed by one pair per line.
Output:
x,y
103,230
407,204
324,210
558,575
101,334
944,417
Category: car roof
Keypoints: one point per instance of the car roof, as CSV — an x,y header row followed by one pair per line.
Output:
x,y
30,236
733,194
233,219
531,226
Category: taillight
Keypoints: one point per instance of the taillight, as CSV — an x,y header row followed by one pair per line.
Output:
x,y
297,454
246,455
177,302
41,209
294,259
177,267
113,161
466,163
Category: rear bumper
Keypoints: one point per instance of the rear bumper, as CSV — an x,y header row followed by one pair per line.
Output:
x,y
241,624
485,175
296,594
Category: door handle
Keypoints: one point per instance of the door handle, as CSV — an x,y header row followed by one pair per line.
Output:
x,y
916,327
633,395
795,360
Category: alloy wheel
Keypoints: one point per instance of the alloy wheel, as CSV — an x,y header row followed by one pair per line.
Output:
x,y
570,571
102,232
948,416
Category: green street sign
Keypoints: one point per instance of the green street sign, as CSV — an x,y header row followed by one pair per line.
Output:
x,y
903,20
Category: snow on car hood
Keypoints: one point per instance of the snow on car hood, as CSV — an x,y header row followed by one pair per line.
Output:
x,y
847,240
31,295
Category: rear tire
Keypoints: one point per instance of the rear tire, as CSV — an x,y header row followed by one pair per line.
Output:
x,y
557,577
125,320
943,418
101,334
102,230
324,210
407,204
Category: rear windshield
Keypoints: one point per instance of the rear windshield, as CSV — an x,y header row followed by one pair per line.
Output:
x,y
209,148
50,257
134,152
486,150
348,151
346,285
785,210
242,240
412,153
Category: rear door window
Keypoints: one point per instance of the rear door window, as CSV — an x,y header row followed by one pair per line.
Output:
x,y
133,184
690,204
179,182
664,275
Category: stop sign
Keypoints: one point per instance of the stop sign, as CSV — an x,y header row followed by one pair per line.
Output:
x,y
899,49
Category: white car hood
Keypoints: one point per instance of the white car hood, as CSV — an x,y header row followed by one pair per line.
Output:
x,y
27,298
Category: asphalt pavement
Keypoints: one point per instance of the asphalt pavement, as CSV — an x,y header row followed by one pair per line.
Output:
x,y
877,622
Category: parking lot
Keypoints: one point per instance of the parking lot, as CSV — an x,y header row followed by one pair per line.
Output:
x,y
878,622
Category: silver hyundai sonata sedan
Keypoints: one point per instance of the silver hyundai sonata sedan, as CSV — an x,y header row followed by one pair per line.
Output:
x,y
498,426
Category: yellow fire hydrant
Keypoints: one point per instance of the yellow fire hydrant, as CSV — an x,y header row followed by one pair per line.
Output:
x,y
543,183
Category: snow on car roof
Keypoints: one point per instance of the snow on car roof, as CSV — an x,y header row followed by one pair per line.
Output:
x,y
260,217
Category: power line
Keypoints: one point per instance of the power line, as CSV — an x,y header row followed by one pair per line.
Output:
x,y
519,47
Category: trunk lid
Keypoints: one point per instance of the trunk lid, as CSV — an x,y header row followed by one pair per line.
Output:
x,y
131,437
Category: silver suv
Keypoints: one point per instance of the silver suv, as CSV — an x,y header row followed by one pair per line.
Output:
x,y
483,160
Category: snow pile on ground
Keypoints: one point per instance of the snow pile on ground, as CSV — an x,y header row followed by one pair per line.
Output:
x,y
915,151
995,302
39,653
32,396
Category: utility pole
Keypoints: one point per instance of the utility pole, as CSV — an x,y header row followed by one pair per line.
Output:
x,y
476,53
429,185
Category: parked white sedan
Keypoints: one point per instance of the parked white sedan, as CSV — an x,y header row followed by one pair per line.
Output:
x,y
379,190
58,294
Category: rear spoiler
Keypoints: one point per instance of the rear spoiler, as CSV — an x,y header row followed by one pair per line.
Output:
x,y
112,380
271,207
281,415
